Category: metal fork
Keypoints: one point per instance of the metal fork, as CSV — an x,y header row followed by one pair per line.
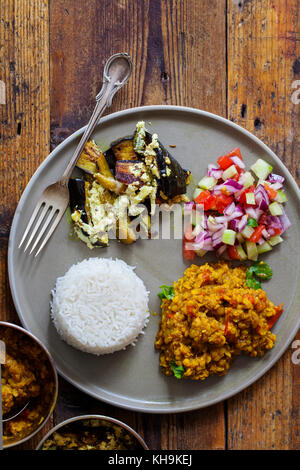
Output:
x,y
55,198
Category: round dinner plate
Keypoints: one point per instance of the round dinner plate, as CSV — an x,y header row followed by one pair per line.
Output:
x,y
132,378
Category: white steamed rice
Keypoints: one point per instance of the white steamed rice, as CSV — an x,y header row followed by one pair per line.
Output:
x,y
100,305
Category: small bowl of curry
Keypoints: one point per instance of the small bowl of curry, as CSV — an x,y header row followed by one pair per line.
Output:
x,y
92,432
28,382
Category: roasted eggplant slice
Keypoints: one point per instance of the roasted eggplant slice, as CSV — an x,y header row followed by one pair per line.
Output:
x,y
77,188
111,160
123,149
110,183
103,166
78,192
130,171
88,158
173,177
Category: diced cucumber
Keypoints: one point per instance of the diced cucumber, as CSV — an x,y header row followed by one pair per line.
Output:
x,y
261,168
251,250
241,252
240,237
275,240
264,248
250,199
197,192
246,179
228,237
247,232
275,209
281,196
207,182
229,173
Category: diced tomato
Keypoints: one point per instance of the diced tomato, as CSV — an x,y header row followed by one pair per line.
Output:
x,y
188,238
235,153
277,231
222,201
273,320
242,199
225,162
187,253
207,199
232,252
256,235
271,192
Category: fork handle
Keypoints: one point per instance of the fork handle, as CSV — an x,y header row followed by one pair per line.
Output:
x,y
116,73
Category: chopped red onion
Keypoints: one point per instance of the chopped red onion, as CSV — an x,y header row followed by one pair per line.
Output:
x,y
273,221
253,212
261,197
229,209
237,161
242,223
215,173
285,221
267,233
213,227
272,178
233,224
217,235
276,186
232,186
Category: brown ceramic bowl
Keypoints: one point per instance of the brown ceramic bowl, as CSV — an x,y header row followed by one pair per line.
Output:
x,y
139,442
47,404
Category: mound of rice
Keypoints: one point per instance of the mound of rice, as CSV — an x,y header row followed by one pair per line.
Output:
x,y
100,305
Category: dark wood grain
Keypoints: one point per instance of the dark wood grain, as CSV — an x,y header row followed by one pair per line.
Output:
x,y
263,47
235,58
24,120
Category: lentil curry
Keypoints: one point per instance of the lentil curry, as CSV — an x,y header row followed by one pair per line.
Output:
x,y
26,377
212,318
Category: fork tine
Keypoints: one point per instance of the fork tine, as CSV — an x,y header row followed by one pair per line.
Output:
x,y
37,225
44,227
31,220
51,230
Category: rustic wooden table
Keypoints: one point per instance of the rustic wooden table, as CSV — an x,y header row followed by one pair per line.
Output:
x,y
238,59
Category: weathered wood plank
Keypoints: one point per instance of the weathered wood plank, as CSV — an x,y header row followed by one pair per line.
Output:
x,y
170,44
263,53
24,119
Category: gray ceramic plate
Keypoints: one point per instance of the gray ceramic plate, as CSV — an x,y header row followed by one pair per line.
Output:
x,y
132,378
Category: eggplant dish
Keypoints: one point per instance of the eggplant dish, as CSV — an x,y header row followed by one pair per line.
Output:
x,y
130,178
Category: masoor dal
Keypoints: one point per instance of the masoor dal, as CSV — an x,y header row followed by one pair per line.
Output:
x,y
212,318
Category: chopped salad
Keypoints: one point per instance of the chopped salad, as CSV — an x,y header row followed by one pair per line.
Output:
x,y
237,213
